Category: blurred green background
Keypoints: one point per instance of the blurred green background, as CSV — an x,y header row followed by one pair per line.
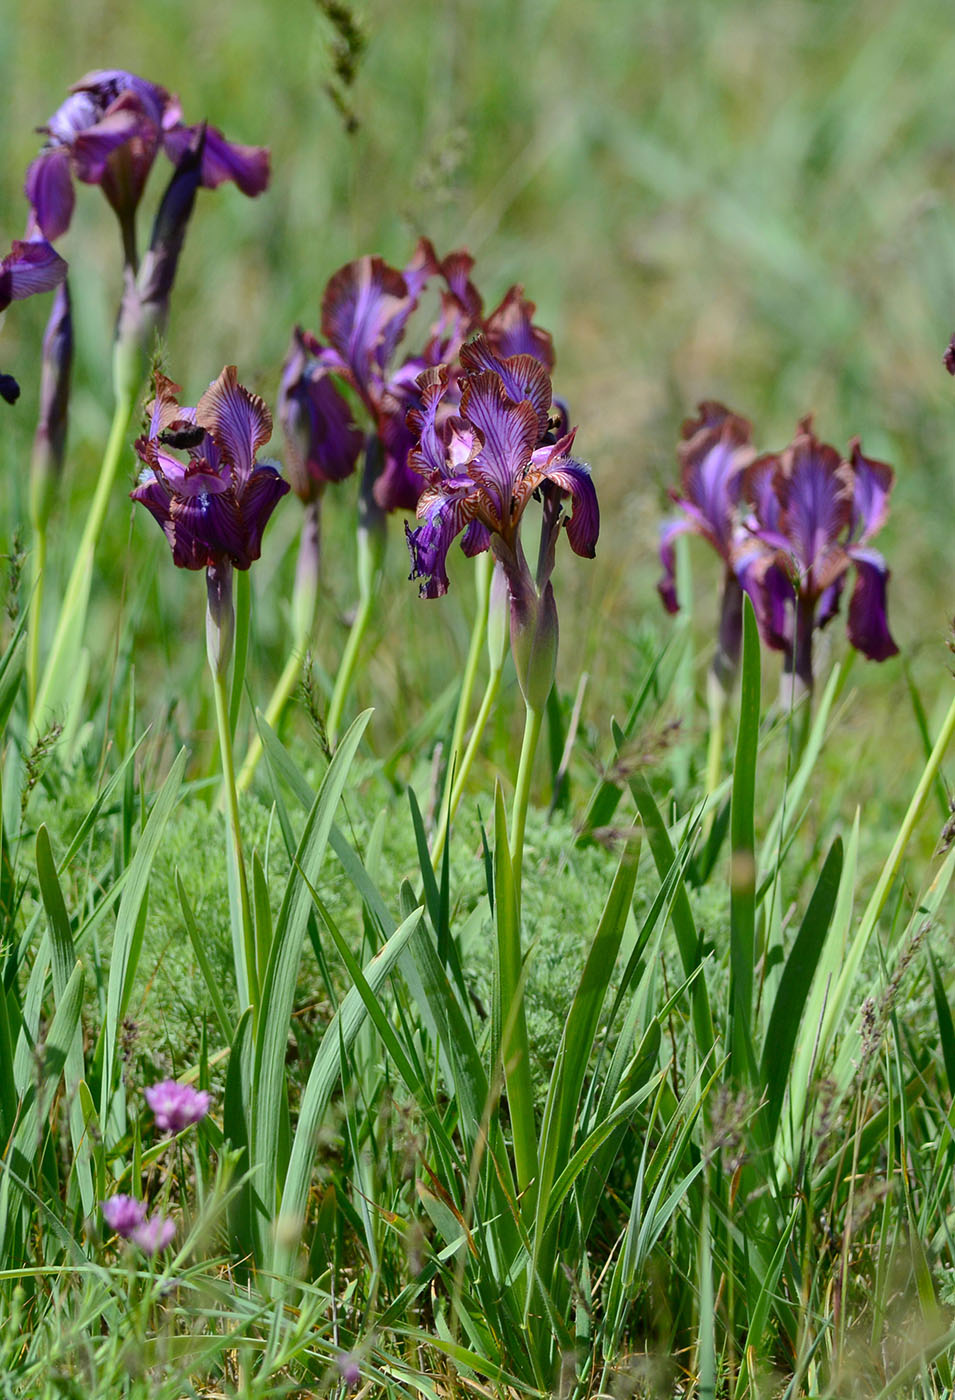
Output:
x,y
754,202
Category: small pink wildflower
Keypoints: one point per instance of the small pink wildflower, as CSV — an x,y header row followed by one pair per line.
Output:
x,y
175,1106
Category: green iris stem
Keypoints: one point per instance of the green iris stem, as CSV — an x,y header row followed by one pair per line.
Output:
x,y
467,762
245,956
72,619
532,728
915,808
305,604
484,568
515,1044
36,611
716,702
346,669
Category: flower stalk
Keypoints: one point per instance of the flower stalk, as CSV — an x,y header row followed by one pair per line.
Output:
x,y
304,606
220,632
372,540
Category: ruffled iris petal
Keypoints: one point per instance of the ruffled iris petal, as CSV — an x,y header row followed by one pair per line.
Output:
x,y
509,432
364,310
511,331
666,585
239,421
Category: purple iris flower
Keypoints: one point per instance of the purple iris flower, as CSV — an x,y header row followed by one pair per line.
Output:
x,y
714,454
482,465
214,505
29,267
176,1106
813,515
108,133
123,1214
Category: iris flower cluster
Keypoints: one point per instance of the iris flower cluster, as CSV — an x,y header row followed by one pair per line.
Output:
x,y
788,526
365,313
486,442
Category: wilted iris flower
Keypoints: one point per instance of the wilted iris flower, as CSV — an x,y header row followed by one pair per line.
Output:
x,y
108,133
714,453
176,1106
813,514
29,267
482,464
213,501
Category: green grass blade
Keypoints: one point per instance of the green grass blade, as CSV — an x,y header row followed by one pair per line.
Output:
x,y
205,966
681,915
323,1077
122,966
278,988
795,985
63,964
743,870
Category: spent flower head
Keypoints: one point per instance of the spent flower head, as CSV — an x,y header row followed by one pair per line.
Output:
x,y
176,1106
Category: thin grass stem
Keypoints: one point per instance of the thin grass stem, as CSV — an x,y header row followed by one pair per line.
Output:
x,y
246,974
72,620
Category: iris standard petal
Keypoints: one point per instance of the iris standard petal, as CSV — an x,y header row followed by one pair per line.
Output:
x,y
509,432
511,331
361,302
523,376
238,420
814,487
871,487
